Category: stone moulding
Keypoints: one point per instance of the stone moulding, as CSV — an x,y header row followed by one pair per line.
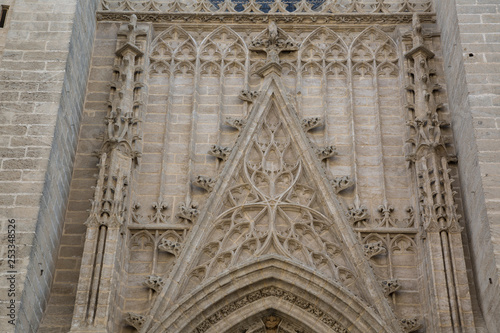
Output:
x,y
270,292
279,18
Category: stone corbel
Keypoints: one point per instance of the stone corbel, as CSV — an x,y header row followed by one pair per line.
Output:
x,y
206,183
341,183
170,246
220,152
373,249
188,212
310,123
326,152
238,123
248,95
154,282
357,213
410,324
390,286
135,320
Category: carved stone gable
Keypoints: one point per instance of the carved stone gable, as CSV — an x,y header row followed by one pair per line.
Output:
x,y
271,207
273,200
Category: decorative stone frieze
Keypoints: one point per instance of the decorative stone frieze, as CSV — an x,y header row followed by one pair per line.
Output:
x,y
264,293
253,7
159,215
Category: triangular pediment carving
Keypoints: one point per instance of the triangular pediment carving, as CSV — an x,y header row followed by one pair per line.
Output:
x,y
271,207
273,200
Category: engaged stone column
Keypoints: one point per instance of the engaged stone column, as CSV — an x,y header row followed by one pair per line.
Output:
x,y
118,156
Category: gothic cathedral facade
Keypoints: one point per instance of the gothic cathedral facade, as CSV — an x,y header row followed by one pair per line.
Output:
x,y
267,166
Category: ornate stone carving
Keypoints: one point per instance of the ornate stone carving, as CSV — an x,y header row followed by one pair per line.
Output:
x,y
269,292
301,7
135,320
188,212
170,246
374,249
248,95
410,324
154,282
326,152
238,123
272,41
271,323
220,152
358,214
390,286
159,216
272,209
311,122
226,16
341,183
206,183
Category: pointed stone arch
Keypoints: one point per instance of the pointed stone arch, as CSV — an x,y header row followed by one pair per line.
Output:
x,y
276,286
166,46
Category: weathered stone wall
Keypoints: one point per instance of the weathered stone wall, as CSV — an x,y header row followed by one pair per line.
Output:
x,y
57,318
471,46
43,79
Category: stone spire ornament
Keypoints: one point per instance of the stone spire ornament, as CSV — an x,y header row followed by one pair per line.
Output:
x,y
272,41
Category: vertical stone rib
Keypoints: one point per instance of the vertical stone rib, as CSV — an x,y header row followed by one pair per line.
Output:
x,y
118,154
427,154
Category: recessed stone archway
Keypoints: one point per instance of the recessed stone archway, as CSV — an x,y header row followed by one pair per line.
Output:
x,y
267,285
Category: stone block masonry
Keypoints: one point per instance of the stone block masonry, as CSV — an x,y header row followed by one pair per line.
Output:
x,y
46,56
470,31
